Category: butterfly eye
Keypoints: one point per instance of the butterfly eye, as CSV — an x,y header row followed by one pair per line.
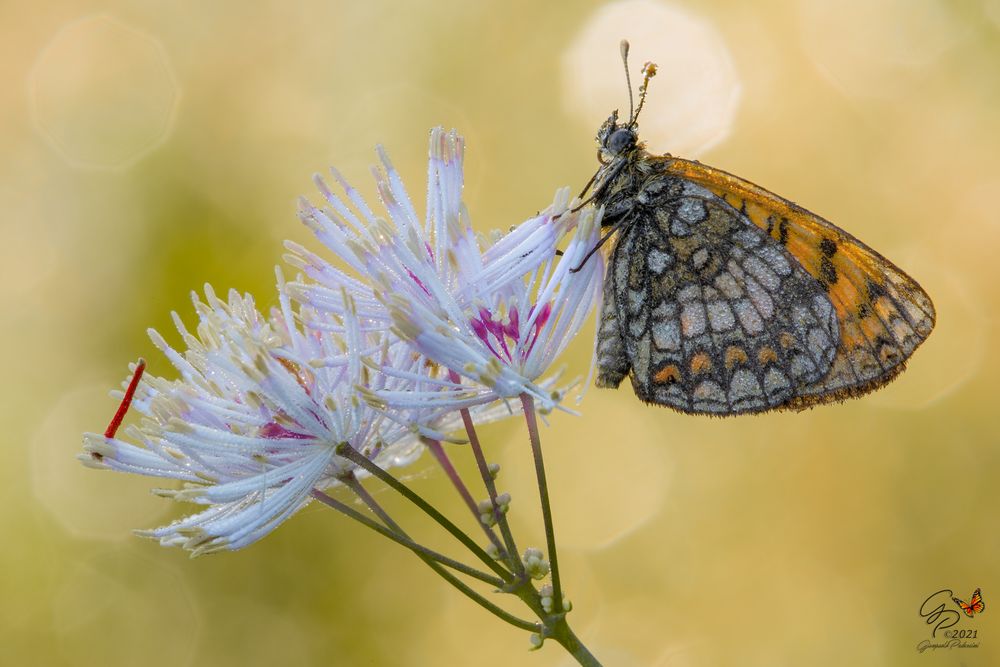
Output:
x,y
620,141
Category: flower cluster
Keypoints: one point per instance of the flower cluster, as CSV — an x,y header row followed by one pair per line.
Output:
x,y
373,347
495,313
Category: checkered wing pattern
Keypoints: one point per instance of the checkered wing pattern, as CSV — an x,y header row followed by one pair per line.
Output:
x,y
708,313
884,314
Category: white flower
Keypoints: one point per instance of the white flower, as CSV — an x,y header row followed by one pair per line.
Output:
x,y
252,425
496,313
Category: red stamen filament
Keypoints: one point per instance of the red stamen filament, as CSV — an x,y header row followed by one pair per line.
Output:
x,y
116,421
495,333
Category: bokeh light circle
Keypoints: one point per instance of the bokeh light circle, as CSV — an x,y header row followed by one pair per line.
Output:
x,y
103,94
692,100
936,372
864,47
118,607
606,479
87,503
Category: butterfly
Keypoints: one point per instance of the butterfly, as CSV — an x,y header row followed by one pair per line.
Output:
x,y
975,604
723,298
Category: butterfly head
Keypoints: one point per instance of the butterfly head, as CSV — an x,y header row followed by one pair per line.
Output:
x,y
616,140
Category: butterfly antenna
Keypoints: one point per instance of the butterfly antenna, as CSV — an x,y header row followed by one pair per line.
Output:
x,y
628,80
648,72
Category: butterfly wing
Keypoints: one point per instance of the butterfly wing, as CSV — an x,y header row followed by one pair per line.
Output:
x,y
711,314
976,601
884,314
967,608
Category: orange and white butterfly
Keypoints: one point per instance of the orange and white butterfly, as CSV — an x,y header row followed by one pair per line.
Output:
x,y
722,298
974,605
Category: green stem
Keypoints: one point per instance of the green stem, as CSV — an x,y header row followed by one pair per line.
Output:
x,y
565,637
445,462
556,627
503,615
543,492
348,452
513,560
406,541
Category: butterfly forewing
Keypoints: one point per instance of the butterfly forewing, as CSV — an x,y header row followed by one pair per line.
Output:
x,y
883,313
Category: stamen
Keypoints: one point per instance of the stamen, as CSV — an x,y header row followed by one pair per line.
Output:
x,y
116,421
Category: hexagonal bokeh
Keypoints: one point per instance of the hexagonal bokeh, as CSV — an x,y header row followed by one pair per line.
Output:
x,y
92,504
863,47
642,462
961,324
114,605
102,93
991,9
693,98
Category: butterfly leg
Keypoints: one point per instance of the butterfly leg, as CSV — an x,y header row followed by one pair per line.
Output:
x,y
591,252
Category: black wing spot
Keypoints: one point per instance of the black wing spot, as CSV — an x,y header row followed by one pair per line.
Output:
x,y
827,272
875,291
828,247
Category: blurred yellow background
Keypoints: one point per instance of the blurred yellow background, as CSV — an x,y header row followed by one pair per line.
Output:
x,y
153,147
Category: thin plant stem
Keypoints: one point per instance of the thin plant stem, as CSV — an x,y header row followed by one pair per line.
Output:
x,y
437,449
484,471
543,492
502,614
361,492
406,541
362,461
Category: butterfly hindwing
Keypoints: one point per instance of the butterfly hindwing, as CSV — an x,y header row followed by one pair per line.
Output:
x,y
713,316
883,313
